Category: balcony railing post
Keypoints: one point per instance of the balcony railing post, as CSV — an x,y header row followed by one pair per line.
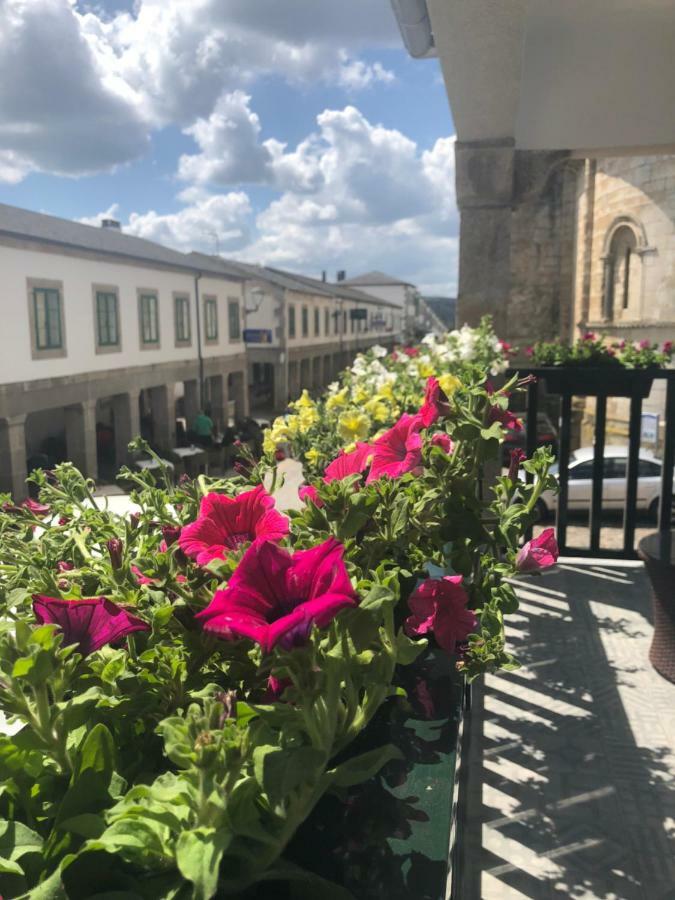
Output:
x,y
532,432
598,467
666,501
563,471
632,467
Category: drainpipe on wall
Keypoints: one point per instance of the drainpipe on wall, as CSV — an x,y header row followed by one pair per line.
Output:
x,y
199,342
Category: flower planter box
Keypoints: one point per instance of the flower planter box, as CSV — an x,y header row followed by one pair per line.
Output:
x,y
593,381
395,836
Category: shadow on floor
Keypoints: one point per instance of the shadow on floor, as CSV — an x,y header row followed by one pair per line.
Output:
x,y
572,763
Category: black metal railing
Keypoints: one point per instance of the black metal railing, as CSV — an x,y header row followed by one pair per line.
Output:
x,y
568,382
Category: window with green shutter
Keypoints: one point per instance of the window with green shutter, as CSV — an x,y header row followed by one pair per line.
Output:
x,y
149,319
233,320
305,321
317,322
291,321
107,330
326,322
211,319
182,313
47,314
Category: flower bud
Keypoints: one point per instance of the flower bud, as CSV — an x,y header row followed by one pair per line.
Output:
x,y
115,549
135,519
170,533
64,566
517,457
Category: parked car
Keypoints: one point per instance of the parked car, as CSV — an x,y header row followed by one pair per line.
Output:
x,y
580,481
546,434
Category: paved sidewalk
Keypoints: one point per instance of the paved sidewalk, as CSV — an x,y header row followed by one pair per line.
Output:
x,y
572,761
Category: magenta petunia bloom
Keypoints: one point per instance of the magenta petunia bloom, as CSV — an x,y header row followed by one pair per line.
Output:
x,y
309,494
398,451
37,508
539,553
438,606
90,623
435,403
274,597
225,523
444,441
353,463
508,419
64,566
518,456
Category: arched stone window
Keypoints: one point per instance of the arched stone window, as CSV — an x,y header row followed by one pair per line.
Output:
x,y
622,277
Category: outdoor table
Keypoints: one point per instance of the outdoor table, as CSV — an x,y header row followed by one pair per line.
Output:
x,y
193,459
150,464
658,552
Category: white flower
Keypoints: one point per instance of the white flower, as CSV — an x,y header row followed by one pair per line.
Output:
x,y
379,351
429,339
333,387
359,366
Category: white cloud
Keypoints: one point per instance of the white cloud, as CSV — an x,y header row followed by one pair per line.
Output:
x,y
61,111
112,212
81,91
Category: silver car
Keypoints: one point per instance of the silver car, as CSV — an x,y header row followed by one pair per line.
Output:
x,y
580,481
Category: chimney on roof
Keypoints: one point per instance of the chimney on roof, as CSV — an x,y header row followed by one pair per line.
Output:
x,y
341,275
323,275
111,223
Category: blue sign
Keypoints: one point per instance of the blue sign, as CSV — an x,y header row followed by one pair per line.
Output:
x,y
258,335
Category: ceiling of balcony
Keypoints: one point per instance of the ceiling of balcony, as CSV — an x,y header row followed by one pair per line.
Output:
x,y
592,76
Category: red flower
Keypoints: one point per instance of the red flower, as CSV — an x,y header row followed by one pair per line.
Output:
x,y
38,509
444,441
275,596
411,351
509,420
398,451
539,553
90,623
435,403
225,523
517,457
667,347
345,464
438,606
141,578
309,494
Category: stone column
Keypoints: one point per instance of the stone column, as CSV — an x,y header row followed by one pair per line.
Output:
x,y
485,188
190,402
239,393
280,388
13,457
127,423
163,410
316,373
80,420
305,375
219,398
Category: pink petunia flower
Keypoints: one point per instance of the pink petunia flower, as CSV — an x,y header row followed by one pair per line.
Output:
x,y
90,623
309,494
141,578
438,606
667,347
435,403
539,553
444,441
412,352
509,420
398,451
274,597
225,523
64,566
38,509
353,463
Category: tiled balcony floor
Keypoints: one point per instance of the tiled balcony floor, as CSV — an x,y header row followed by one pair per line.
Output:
x,y
572,759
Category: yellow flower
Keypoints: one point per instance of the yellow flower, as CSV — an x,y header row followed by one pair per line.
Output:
x,y
353,426
337,400
269,444
361,395
304,401
377,409
293,425
386,391
313,456
307,417
449,384
425,369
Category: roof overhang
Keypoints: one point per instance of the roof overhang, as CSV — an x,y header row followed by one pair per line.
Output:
x,y
595,77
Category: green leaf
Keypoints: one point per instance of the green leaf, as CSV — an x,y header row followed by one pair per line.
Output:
x,y
408,650
198,856
280,771
305,885
51,889
88,791
8,867
365,766
86,825
17,839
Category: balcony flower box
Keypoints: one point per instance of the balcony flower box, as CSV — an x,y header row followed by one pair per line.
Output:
x,y
595,381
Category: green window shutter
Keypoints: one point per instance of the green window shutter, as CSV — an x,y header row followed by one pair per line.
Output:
x,y
317,322
291,321
47,315
233,316
106,318
149,323
182,311
211,319
305,321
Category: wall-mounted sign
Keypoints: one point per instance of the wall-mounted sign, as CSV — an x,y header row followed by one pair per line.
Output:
x,y
358,313
649,428
258,335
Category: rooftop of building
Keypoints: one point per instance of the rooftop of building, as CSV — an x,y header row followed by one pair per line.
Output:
x,y
444,308
375,278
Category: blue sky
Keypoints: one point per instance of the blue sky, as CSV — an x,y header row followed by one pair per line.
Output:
x,y
297,134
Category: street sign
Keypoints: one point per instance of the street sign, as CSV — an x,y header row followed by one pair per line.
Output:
x,y
358,313
258,335
649,428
